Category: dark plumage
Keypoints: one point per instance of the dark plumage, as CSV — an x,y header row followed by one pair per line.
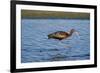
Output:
x,y
61,34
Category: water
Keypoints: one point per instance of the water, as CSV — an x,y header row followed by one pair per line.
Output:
x,y
36,47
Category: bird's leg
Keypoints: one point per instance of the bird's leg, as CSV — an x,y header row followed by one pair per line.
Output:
x,y
65,46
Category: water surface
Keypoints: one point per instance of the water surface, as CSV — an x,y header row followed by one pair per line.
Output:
x,y
36,47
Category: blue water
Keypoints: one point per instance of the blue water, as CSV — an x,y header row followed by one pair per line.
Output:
x,y
36,47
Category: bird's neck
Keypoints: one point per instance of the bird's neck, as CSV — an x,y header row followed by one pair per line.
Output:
x,y
71,32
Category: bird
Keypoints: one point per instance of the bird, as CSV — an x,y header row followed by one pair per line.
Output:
x,y
60,35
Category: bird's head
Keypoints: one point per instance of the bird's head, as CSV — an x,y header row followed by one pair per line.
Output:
x,y
73,30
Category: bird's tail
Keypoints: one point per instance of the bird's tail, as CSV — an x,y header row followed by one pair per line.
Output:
x,y
49,36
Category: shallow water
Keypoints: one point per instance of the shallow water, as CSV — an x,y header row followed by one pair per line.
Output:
x,y
36,47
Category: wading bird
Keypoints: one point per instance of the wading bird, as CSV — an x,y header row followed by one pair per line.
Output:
x,y
60,35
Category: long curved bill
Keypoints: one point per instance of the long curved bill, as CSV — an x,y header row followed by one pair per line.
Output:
x,y
77,33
